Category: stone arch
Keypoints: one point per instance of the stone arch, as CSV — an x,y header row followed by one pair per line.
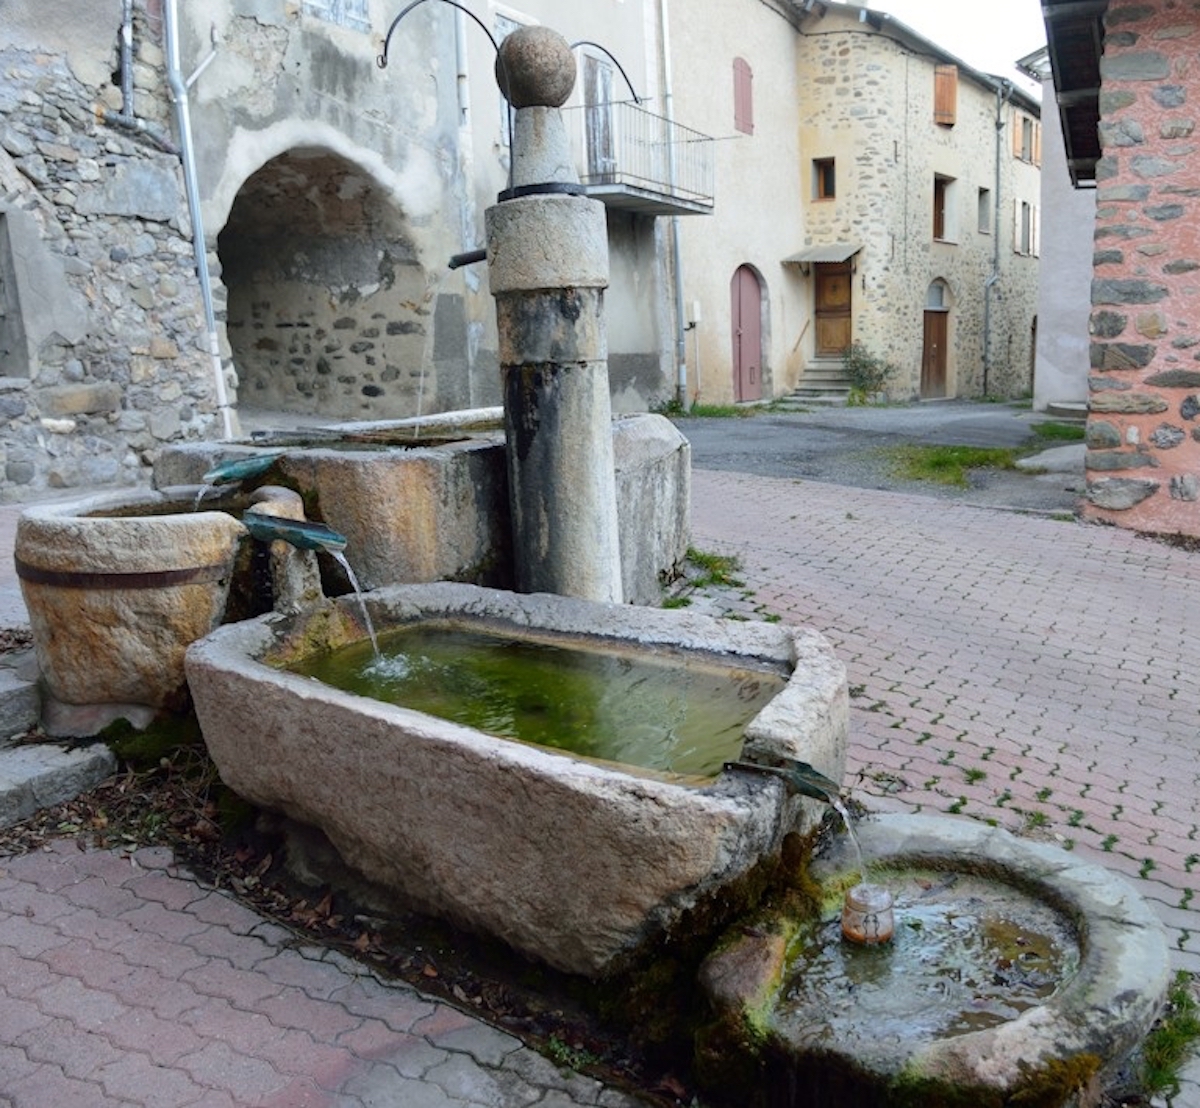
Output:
x,y
329,307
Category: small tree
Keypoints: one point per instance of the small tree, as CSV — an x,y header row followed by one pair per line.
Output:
x,y
868,373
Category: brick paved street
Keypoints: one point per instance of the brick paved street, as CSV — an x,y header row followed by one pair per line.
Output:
x,y
1003,666
126,983
1024,669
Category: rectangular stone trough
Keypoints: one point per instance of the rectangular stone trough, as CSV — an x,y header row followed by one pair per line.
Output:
x,y
426,499
576,862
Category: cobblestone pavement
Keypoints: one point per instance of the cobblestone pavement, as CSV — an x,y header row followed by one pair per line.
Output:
x,y
1009,667
1033,671
124,982
1029,670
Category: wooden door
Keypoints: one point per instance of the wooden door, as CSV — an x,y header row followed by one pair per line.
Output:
x,y
833,307
933,355
746,317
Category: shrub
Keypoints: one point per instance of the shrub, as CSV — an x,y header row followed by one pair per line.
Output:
x,y
868,373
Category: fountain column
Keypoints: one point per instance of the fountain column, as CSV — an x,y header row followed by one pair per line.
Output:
x,y
547,249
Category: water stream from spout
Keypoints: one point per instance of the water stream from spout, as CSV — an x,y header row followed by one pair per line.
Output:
x,y
844,812
341,559
204,491
433,289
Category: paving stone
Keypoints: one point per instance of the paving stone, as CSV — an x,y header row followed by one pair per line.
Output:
x,y
36,776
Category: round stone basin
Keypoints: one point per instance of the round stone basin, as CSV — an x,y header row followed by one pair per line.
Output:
x,y
116,587
1016,971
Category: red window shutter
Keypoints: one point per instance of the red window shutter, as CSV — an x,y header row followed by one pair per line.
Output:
x,y
945,94
743,96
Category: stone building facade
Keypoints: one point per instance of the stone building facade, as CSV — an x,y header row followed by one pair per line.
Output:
x,y
1143,457
99,309
331,196
927,174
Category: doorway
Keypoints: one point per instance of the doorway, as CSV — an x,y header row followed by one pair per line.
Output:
x,y
833,308
936,343
746,318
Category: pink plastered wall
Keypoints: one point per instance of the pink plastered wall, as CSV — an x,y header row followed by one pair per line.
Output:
x,y
1143,457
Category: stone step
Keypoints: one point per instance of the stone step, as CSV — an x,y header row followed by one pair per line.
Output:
x,y
36,775
20,702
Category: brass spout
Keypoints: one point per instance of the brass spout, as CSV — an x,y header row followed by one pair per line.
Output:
x,y
798,777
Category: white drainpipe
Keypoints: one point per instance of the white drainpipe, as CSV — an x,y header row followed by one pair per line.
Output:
x,y
676,260
179,96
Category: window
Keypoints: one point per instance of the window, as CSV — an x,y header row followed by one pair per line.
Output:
x,y
505,27
1026,229
944,227
597,96
824,179
1027,139
743,96
945,94
984,212
344,13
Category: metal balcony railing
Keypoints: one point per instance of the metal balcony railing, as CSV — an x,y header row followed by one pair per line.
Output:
x,y
633,159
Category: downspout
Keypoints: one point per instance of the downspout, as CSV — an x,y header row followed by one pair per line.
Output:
x,y
1002,95
676,258
179,96
127,59
126,117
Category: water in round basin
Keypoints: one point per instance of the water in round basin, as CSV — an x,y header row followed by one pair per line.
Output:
x,y
967,953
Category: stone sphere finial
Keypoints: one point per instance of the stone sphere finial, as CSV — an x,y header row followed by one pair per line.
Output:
x,y
535,68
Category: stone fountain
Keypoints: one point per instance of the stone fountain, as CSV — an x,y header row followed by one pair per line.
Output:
x,y
586,864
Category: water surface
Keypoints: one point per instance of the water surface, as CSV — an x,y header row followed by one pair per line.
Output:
x,y
666,710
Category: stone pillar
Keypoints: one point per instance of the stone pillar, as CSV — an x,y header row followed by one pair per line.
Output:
x,y
547,247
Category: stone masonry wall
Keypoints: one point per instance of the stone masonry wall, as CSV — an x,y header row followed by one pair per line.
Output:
x,y
867,101
102,361
1143,438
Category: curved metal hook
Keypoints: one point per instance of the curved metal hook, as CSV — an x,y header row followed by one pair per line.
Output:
x,y
611,57
382,59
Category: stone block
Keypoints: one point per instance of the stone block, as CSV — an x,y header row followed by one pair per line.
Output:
x,y
145,190
36,776
1129,403
1119,494
64,401
20,704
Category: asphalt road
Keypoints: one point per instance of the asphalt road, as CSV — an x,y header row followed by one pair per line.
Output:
x,y
848,446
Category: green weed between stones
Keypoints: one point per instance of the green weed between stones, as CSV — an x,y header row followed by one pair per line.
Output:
x,y
715,569
1171,1040
1050,431
948,465
568,1057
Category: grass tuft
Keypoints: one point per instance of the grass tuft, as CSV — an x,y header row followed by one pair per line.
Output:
x,y
1172,1039
1050,431
948,465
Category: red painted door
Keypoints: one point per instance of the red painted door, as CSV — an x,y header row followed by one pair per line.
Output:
x,y
746,316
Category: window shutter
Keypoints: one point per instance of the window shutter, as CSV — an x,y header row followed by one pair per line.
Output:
x,y
1017,137
743,96
1016,226
1035,221
1037,144
945,94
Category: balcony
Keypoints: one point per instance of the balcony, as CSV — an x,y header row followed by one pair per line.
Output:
x,y
636,161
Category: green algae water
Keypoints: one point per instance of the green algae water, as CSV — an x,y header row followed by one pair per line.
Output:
x,y
669,712
968,953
